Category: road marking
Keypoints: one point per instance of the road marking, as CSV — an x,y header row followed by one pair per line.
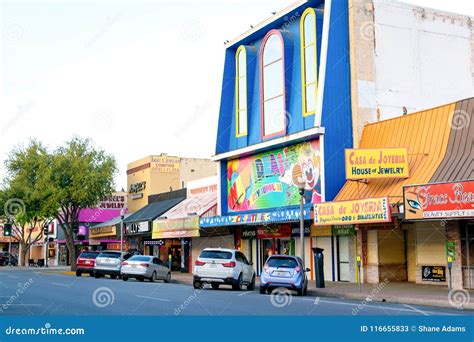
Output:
x,y
153,298
21,304
380,307
59,284
15,277
415,309
244,293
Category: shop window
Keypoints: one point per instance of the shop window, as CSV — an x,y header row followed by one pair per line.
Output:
x,y
272,86
309,74
241,91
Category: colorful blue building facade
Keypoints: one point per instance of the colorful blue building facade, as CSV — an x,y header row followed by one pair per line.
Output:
x,y
284,122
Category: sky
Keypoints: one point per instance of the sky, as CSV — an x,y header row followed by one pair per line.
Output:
x,y
137,77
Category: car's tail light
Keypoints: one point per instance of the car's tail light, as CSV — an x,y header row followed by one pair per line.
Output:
x,y
265,268
229,264
297,269
144,265
124,263
199,263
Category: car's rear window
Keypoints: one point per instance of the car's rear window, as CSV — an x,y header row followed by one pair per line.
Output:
x,y
282,262
109,255
216,255
88,255
139,258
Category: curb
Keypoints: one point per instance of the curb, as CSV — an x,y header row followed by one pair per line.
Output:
x,y
392,299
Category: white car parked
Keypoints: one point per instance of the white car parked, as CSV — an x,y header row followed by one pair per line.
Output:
x,y
219,266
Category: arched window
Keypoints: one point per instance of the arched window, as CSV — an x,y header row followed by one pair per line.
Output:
x,y
272,78
241,91
309,74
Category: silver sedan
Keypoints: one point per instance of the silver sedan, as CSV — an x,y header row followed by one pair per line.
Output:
x,y
145,267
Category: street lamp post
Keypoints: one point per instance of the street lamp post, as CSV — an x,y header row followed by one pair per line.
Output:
x,y
122,215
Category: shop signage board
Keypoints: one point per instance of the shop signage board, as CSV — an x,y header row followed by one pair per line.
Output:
x,y
176,228
276,231
295,231
376,163
94,242
266,180
137,227
433,273
343,230
247,233
165,164
274,216
369,210
439,201
321,230
102,231
115,201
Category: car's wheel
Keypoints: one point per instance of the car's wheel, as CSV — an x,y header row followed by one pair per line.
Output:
x,y
215,286
305,291
300,292
124,278
78,273
251,286
91,274
113,276
197,284
168,278
237,286
96,275
140,279
263,290
153,277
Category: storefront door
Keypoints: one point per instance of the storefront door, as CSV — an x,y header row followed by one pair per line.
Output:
x,y
467,254
343,271
274,246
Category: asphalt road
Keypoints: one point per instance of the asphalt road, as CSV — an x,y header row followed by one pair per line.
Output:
x,y
40,293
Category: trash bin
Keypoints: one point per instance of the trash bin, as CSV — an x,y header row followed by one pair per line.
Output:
x,y
319,264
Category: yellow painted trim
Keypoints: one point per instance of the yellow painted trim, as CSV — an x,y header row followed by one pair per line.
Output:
x,y
308,11
238,111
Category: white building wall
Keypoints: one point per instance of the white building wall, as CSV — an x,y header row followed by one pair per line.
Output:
x,y
407,56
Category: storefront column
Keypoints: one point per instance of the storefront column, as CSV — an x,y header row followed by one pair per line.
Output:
x,y
453,234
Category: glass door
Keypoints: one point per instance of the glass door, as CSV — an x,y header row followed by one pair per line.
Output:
x,y
343,273
467,254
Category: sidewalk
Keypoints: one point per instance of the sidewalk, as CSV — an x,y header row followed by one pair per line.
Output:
x,y
37,269
401,293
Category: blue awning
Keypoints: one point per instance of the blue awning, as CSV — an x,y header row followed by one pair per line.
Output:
x,y
278,215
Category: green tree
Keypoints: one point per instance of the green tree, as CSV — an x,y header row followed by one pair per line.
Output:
x,y
80,176
26,195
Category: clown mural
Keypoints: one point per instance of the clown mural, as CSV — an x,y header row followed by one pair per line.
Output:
x,y
271,179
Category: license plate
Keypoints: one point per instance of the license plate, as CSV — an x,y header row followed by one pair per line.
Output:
x,y
134,266
213,266
88,262
281,274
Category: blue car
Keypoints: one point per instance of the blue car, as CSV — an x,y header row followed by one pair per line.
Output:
x,y
284,271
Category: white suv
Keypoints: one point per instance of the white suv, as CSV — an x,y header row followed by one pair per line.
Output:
x,y
218,266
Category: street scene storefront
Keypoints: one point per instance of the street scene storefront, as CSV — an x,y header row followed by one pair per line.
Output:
x,y
176,234
106,235
138,226
426,235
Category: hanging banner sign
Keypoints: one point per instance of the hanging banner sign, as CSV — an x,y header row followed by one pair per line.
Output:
x,y
439,201
369,210
376,163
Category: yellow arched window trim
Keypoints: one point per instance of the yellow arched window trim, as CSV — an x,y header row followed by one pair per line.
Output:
x,y
240,131
304,85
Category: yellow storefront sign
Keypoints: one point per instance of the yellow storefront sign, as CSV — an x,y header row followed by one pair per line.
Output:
x,y
102,231
369,210
176,228
376,163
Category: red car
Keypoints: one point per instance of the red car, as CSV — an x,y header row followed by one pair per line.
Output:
x,y
85,263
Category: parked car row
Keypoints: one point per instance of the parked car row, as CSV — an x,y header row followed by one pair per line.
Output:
x,y
123,265
214,266
218,266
